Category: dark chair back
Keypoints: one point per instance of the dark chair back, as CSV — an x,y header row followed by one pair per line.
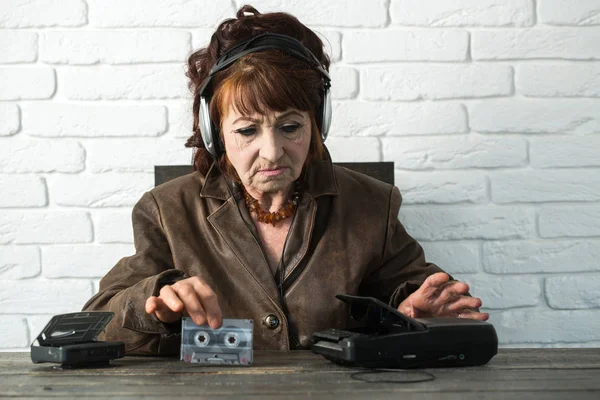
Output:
x,y
384,171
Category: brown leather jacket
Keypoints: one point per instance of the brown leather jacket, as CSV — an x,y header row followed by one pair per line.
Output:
x,y
345,238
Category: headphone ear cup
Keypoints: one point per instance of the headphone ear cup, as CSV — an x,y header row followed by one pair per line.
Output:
x,y
326,114
206,127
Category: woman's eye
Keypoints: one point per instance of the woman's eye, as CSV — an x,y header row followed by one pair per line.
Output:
x,y
245,132
290,128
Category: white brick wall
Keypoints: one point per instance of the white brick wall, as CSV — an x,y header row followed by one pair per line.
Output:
x,y
490,110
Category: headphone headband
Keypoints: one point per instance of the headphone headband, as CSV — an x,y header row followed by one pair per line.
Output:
x,y
264,41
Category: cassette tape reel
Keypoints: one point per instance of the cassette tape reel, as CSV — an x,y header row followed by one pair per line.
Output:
x,y
231,344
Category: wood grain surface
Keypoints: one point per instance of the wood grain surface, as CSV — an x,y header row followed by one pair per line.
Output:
x,y
513,373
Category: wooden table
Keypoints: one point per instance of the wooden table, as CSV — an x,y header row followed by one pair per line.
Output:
x,y
513,373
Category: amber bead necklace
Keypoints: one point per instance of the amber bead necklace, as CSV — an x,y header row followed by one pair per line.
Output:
x,y
286,211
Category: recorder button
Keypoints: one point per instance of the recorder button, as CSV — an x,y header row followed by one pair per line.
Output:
x,y
271,321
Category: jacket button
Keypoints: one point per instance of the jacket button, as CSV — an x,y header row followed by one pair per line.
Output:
x,y
271,321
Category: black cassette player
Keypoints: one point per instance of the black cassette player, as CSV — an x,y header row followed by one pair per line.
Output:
x,y
71,340
386,338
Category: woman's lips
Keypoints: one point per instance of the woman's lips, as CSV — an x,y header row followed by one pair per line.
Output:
x,y
273,171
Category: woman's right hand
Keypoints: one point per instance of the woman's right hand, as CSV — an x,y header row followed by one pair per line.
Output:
x,y
188,297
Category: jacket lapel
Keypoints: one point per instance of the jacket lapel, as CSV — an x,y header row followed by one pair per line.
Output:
x,y
230,226
227,221
319,181
299,236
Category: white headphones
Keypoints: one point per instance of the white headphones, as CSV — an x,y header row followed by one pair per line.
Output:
x,y
265,41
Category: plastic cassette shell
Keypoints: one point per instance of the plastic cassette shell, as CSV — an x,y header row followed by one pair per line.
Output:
x,y
231,344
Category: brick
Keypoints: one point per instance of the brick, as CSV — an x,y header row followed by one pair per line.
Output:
x,y
18,46
140,82
573,292
499,292
181,118
114,47
201,38
344,82
112,226
82,261
19,262
13,331
48,296
414,45
20,83
559,80
50,226
453,257
332,41
472,151
136,155
555,43
344,149
441,187
37,323
536,116
42,13
22,191
546,326
83,120
96,285
349,13
158,13
569,221
564,151
544,256
22,156
565,12
544,186
98,190
377,118
417,82
473,222
10,119
462,13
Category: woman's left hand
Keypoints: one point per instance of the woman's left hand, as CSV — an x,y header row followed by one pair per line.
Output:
x,y
439,297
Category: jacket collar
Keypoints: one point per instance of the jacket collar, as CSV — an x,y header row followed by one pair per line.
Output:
x,y
214,184
319,180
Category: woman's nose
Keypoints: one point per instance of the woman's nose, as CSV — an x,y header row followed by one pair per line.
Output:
x,y
271,148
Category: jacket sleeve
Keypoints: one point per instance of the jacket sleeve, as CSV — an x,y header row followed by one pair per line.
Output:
x,y
132,280
403,267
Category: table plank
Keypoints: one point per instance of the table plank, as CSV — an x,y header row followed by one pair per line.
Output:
x,y
520,373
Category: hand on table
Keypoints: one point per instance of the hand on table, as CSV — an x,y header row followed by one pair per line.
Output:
x,y
439,297
188,297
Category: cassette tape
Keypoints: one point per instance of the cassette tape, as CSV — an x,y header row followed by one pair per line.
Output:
x,y
231,344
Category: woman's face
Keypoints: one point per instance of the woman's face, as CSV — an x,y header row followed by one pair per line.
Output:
x,y
267,151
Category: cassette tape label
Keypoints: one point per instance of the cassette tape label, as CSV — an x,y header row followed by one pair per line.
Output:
x,y
229,345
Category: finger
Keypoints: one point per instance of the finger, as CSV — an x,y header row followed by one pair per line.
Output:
x,y
192,303
407,308
452,290
170,299
463,303
164,313
430,287
151,304
471,314
436,280
210,303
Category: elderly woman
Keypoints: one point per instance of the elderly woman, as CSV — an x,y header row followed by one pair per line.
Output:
x,y
266,228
